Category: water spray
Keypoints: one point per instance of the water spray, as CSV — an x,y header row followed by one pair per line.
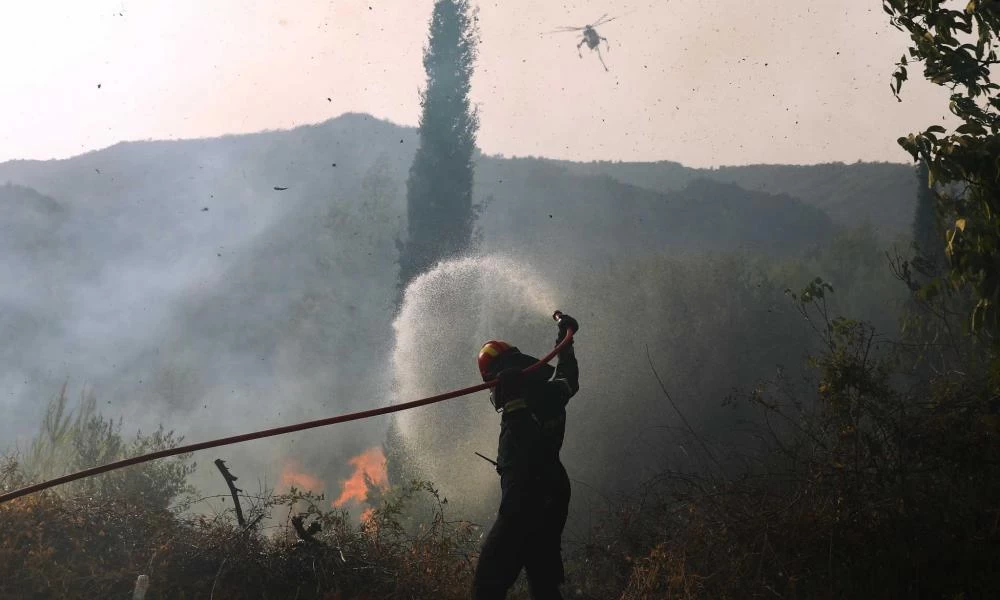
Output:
x,y
246,437
445,316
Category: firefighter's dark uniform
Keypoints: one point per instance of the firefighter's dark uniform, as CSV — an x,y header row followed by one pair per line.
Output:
x,y
534,487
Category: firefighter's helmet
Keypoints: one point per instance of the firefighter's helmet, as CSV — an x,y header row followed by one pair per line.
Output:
x,y
489,355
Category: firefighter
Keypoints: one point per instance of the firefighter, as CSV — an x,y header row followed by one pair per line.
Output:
x,y
534,486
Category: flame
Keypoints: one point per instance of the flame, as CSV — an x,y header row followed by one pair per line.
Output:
x,y
371,462
292,475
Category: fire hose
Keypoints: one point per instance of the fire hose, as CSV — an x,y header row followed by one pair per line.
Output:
x,y
256,435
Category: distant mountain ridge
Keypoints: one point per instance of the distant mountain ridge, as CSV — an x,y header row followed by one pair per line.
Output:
x,y
549,208
880,194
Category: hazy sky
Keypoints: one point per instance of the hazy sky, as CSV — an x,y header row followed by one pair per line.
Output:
x,y
703,83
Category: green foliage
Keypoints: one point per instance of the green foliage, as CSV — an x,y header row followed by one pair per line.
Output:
x,y
440,210
11,474
68,442
958,49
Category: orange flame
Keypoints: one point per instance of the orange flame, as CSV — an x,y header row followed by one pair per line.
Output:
x,y
371,462
293,476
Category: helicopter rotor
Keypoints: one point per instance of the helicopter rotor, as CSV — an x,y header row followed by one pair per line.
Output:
x,y
603,20
566,29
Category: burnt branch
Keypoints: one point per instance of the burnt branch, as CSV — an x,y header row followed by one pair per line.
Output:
x,y
231,482
306,534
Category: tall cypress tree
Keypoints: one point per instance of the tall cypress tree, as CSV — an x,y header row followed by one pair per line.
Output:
x,y
928,236
931,301
439,188
439,207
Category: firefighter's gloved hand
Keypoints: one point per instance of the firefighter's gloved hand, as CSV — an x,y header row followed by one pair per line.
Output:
x,y
566,322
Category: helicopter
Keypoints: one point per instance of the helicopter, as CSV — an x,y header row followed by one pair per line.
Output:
x,y
590,36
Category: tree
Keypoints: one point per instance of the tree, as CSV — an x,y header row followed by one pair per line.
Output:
x,y
958,48
439,188
68,442
931,317
928,238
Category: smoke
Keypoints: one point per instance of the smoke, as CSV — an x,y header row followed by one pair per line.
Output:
x,y
446,315
177,284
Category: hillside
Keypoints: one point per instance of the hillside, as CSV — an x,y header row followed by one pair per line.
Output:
x,y
880,194
538,205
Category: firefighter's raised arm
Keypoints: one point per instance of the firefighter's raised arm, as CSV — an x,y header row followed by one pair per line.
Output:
x,y
566,380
